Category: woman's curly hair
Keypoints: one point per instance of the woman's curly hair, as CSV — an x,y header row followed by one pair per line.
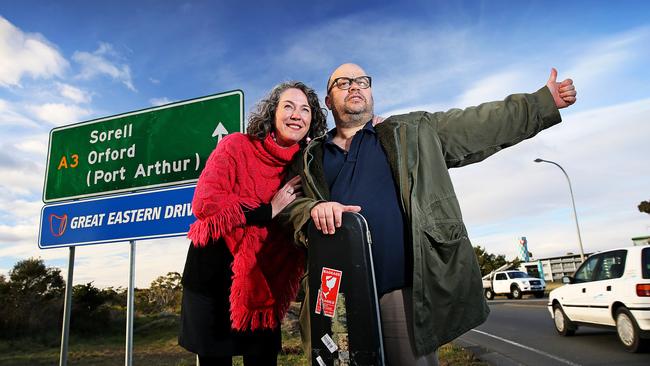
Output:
x,y
262,119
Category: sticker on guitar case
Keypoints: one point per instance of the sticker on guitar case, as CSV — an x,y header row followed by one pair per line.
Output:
x,y
330,282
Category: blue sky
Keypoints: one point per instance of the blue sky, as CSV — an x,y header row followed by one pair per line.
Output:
x,y
71,61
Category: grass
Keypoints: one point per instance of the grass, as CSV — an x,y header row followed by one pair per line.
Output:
x,y
155,344
453,355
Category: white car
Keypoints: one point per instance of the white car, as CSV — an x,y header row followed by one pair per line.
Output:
x,y
611,289
513,284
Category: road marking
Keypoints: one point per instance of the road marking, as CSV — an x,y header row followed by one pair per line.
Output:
x,y
528,348
526,305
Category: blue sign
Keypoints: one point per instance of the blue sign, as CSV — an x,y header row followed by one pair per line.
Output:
x,y
144,215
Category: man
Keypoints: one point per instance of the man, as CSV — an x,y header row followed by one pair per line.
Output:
x,y
395,174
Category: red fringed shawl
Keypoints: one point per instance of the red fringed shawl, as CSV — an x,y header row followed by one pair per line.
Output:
x,y
267,267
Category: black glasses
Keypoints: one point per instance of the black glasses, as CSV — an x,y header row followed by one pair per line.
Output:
x,y
344,83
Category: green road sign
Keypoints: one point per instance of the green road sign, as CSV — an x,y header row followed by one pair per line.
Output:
x,y
155,147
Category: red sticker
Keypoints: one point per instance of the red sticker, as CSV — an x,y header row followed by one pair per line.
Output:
x,y
328,294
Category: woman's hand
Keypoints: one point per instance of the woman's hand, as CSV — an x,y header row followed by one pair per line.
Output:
x,y
289,192
377,120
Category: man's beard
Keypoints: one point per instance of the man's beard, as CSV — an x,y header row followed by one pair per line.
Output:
x,y
353,117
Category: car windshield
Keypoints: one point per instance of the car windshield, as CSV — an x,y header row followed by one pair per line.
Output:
x,y
645,262
518,274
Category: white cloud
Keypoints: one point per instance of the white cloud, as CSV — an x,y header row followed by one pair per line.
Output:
x,y
10,233
105,264
159,101
22,169
98,63
59,114
493,87
10,116
36,145
605,56
19,211
108,264
611,68
421,60
26,54
74,94
21,177
19,240
416,67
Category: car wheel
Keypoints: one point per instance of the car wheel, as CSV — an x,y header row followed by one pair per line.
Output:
x,y
563,325
489,294
628,331
516,292
539,294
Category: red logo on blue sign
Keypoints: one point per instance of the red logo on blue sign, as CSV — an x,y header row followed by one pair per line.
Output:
x,y
58,224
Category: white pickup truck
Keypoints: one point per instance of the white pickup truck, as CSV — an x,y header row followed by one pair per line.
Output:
x,y
513,284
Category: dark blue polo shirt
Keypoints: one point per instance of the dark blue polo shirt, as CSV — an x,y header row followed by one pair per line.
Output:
x,y
363,177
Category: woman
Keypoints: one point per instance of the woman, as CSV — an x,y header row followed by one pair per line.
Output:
x,y
241,272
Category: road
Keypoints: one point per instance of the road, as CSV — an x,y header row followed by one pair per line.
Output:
x,y
521,332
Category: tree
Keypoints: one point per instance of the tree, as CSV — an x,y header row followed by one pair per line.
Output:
x,y
31,300
488,262
644,206
4,287
89,311
164,294
31,278
87,296
115,297
4,304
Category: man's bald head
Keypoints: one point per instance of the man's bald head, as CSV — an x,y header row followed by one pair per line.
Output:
x,y
351,106
348,70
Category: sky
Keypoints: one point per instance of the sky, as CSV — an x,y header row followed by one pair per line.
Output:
x,y
65,62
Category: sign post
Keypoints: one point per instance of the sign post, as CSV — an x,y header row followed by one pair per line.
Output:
x,y
152,148
130,307
67,309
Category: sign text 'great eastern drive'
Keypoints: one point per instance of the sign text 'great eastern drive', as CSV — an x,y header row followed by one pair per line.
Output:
x,y
153,214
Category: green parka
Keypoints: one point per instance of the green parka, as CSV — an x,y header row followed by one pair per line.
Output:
x,y
421,147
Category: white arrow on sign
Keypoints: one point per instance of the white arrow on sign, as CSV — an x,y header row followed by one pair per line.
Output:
x,y
220,131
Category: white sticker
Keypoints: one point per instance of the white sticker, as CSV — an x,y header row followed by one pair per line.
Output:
x,y
329,343
320,361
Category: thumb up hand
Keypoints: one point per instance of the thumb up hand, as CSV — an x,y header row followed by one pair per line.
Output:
x,y
564,93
